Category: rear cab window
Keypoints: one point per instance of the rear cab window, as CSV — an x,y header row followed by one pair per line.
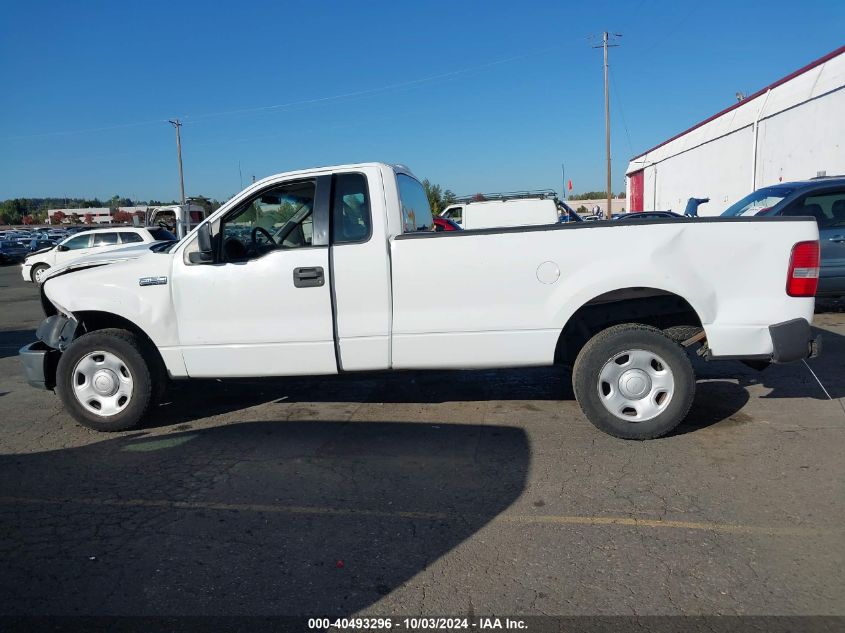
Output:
x,y
416,212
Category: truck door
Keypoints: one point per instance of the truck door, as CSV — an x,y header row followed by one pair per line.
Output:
x,y
263,307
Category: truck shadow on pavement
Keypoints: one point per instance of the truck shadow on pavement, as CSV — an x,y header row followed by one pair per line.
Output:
x,y
320,518
715,401
793,380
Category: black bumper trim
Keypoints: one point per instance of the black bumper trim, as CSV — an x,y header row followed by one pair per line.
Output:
x,y
792,341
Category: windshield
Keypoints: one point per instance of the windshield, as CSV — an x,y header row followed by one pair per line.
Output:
x,y
568,214
760,200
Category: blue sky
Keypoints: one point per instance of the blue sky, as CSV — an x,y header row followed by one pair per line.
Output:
x,y
476,96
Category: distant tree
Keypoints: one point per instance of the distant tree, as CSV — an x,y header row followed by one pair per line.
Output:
x,y
58,217
27,220
89,218
12,210
74,218
434,195
581,209
437,198
121,216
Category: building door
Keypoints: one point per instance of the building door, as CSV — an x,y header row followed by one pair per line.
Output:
x,y
637,180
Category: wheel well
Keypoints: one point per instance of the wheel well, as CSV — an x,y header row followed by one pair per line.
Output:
x,y
649,306
91,320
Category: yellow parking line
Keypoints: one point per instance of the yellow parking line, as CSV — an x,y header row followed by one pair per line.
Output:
x,y
513,519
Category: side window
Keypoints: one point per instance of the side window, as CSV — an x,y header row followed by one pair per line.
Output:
x,y
276,218
456,214
827,208
105,239
351,219
80,241
128,237
416,212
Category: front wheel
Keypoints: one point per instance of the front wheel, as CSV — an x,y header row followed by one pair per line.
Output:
x,y
37,273
633,381
104,380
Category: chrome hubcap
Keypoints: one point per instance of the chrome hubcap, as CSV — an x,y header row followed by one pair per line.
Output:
x,y
636,385
102,383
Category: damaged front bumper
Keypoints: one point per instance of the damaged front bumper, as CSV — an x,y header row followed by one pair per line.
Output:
x,y
39,359
39,364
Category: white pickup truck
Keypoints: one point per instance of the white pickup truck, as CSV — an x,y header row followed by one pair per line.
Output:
x,y
328,270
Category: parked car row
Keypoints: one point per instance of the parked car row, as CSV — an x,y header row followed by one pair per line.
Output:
x,y
38,263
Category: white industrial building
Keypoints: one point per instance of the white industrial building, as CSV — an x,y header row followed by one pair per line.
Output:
x,y
793,129
99,215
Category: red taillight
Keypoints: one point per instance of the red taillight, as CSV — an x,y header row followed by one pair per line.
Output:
x,y
803,275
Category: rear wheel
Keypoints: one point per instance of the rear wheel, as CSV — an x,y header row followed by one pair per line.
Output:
x,y
634,382
37,273
105,380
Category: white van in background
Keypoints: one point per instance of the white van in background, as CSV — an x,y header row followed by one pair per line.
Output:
x,y
523,208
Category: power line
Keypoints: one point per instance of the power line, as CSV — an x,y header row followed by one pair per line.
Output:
x,y
187,119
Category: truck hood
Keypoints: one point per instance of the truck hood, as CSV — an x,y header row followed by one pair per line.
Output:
x,y
101,259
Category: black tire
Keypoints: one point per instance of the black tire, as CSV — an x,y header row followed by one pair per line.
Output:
x,y
139,362
608,344
35,269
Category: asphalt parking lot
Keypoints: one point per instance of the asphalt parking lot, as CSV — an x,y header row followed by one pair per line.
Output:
x,y
474,493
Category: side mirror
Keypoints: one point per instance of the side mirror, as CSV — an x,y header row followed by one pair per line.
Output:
x,y
62,248
205,254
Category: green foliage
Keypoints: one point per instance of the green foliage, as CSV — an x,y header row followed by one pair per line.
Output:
x,y
437,198
594,195
590,195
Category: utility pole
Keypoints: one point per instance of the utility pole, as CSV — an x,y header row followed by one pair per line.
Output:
x,y
178,124
605,44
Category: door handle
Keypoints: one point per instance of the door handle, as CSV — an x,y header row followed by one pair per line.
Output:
x,y
836,238
309,277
